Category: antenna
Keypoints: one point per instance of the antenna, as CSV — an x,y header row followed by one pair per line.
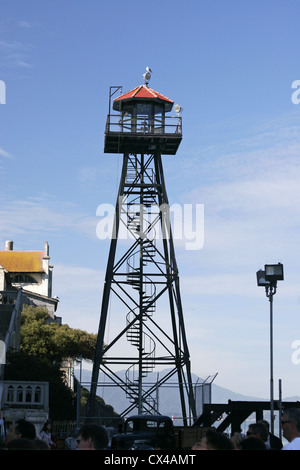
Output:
x,y
147,75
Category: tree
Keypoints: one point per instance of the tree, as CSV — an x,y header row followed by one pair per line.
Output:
x,y
44,345
51,340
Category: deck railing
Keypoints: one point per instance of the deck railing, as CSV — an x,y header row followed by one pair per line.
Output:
x,y
144,124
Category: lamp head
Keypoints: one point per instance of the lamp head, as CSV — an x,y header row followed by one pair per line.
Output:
x,y
271,274
261,279
274,272
178,109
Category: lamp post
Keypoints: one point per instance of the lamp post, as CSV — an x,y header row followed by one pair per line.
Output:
x,y
268,279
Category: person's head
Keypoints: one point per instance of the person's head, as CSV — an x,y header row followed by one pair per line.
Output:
x,y
291,423
236,439
214,440
24,429
259,431
265,423
47,426
92,437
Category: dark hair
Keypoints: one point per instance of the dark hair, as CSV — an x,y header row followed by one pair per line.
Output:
x,y
98,435
260,429
252,443
45,425
265,423
26,429
218,441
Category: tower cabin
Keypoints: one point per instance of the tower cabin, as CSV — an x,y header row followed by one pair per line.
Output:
x,y
141,125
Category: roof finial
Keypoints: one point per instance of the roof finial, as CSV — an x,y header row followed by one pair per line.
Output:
x,y
147,75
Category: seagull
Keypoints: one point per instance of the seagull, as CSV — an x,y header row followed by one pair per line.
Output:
x,y
147,75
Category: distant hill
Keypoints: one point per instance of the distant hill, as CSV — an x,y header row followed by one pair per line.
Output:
x,y
168,396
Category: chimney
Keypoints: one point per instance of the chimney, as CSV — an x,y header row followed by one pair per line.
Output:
x,y
9,246
46,250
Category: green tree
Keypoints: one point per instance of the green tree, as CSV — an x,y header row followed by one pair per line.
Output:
x,y
44,345
42,338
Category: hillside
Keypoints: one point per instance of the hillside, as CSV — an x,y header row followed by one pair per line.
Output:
x,y
168,397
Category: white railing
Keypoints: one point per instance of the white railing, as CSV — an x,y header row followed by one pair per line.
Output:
x,y
144,124
25,394
8,297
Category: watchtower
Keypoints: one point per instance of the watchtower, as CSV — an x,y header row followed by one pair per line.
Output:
x,y
141,292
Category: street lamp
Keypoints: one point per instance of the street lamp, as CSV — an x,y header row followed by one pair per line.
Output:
x,y
268,279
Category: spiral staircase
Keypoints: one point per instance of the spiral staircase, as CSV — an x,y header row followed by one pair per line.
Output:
x,y
140,228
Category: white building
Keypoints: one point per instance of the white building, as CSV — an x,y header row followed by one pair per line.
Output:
x,y
25,278
30,270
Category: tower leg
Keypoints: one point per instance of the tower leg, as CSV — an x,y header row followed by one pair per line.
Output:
x,y
106,294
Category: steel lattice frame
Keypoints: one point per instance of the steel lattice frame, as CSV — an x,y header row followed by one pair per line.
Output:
x,y
140,273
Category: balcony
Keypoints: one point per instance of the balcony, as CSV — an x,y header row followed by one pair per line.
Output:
x,y
23,394
142,134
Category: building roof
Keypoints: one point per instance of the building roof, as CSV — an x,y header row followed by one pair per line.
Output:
x,y
143,92
22,261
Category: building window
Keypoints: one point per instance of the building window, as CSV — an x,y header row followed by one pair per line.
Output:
x,y
10,393
19,394
37,395
23,279
28,394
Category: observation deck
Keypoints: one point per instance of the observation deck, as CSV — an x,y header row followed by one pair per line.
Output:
x,y
141,125
143,134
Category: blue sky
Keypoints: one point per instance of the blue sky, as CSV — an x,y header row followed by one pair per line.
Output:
x,y
231,66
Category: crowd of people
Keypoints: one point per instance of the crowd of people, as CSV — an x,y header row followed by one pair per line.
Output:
x,y
22,435
258,436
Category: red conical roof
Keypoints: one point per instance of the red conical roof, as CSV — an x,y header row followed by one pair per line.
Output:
x,y
142,92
